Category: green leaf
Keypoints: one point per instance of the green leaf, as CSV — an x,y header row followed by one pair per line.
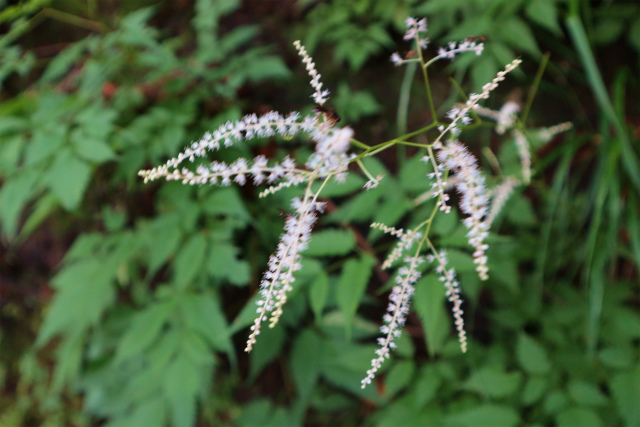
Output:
x,y
91,149
488,415
149,413
306,361
164,239
331,242
318,292
532,356
225,201
180,385
45,141
626,389
399,377
351,286
517,33
224,264
533,390
202,313
189,260
578,417
544,13
145,327
68,178
428,302
14,195
427,385
268,347
493,382
587,394
84,291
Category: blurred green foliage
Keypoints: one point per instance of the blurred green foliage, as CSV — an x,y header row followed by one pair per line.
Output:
x,y
152,300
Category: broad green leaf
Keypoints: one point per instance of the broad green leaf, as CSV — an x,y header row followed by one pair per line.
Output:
x,y
163,242
426,386
532,356
331,242
15,192
91,149
268,347
489,415
351,286
534,389
616,358
578,417
413,175
84,291
223,263
493,382
626,389
68,178
145,327
318,292
358,208
45,142
428,302
306,361
149,413
544,13
399,377
69,361
180,384
225,201
189,260
202,313
586,394
517,33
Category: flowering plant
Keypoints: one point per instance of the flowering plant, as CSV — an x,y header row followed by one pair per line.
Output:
x,y
452,164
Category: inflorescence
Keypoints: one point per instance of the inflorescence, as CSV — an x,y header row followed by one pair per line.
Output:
x,y
331,159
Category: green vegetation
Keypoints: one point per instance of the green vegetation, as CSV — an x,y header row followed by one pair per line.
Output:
x,y
125,304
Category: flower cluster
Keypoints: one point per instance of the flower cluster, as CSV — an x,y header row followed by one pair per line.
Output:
x,y
320,96
405,241
454,49
396,315
473,199
278,279
448,277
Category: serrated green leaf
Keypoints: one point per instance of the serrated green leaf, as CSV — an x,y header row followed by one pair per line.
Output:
x,y
351,286
331,242
533,390
68,178
268,347
358,208
225,201
318,292
44,143
202,313
578,417
148,413
427,385
626,389
493,382
428,302
189,260
306,361
488,415
413,175
14,194
517,33
164,239
544,13
532,356
224,264
587,394
399,377
180,385
91,149
145,327
84,291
